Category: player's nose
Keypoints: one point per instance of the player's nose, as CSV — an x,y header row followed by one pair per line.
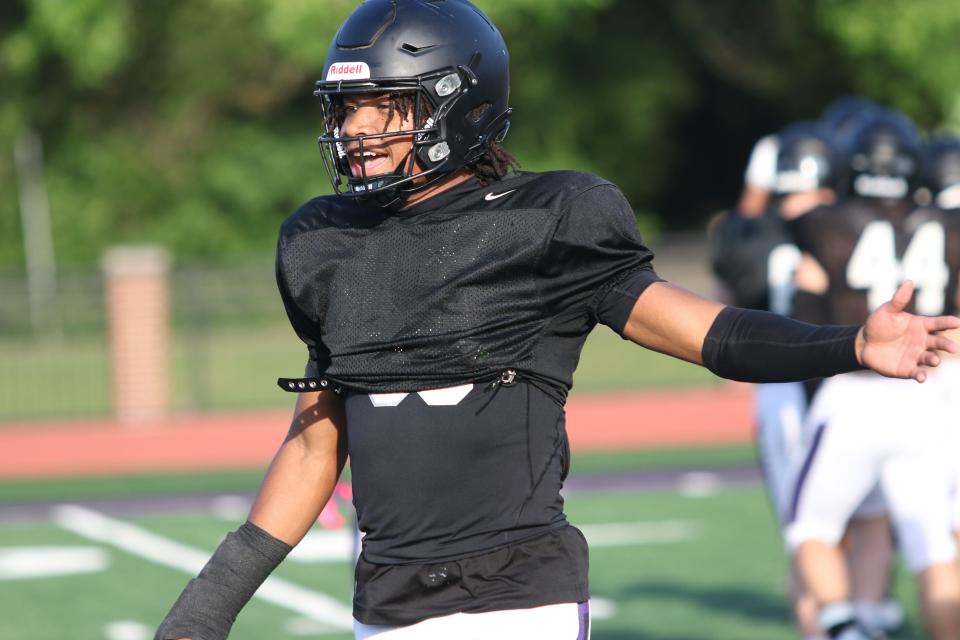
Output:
x,y
363,121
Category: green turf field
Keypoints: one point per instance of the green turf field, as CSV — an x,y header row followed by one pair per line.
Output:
x,y
664,565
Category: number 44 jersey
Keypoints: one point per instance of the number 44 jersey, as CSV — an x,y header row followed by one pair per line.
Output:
x,y
868,247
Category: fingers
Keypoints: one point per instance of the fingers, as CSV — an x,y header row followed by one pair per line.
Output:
x,y
941,323
928,359
902,297
919,375
941,343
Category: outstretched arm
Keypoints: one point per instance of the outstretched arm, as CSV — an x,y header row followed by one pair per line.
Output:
x,y
671,320
755,346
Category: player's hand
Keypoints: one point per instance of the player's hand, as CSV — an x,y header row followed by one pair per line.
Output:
x,y
898,344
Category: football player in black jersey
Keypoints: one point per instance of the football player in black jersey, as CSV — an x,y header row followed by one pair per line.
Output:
x,y
444,302
855,253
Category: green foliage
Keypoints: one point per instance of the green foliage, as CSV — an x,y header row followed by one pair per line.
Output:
x,y
91,36
907,51
191,122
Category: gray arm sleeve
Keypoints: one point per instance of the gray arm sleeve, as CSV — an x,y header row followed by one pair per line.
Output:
x,y
210,603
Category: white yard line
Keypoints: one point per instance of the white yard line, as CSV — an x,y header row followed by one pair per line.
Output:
x,y
127,630
312,606
150,546
50,561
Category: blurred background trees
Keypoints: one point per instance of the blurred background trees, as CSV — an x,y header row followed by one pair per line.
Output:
x,y
191,122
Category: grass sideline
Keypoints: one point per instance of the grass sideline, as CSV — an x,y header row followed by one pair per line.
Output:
x,y
59,489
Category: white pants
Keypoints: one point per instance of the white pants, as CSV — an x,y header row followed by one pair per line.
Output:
x,y
568,621
872,431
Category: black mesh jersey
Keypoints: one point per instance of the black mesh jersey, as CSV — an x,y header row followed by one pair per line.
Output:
x,y
868,248
464,285
417,313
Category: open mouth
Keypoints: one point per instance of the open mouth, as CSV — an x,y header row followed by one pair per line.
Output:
x,y
369,163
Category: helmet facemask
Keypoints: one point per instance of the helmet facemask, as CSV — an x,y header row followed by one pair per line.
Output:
x,y
884,167
426,101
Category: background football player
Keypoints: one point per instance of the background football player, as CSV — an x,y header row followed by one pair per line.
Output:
x,y
854,254
807,172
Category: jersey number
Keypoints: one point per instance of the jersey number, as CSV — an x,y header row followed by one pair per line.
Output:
x,y
874,265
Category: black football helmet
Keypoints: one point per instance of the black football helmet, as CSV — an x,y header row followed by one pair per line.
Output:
x,y
449,57
942,171
844,115
885,156
806,159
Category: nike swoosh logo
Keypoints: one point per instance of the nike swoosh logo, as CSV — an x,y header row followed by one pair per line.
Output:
x,y
494,196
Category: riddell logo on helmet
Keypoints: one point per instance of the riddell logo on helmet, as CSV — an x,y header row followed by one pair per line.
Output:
x,y
348,71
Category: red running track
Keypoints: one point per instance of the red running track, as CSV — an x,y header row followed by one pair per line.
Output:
x,y
715,416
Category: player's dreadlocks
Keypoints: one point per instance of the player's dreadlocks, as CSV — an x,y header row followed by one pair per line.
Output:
x,y
493,165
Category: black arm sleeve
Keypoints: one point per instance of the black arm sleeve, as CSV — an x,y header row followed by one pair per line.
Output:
x,y
210,603
757,346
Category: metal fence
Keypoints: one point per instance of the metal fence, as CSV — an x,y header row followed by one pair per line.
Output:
x,y
230,341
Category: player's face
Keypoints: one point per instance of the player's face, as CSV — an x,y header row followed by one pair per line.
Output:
x,y
367,115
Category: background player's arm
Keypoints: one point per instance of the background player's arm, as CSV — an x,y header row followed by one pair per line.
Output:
x,y
811,283
810,276
304,470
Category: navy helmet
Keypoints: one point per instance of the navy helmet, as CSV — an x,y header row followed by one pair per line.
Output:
x,y
807,159
454,63
884,154
942,171
842,116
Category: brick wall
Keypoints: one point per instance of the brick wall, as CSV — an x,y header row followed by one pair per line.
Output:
x,y
138,329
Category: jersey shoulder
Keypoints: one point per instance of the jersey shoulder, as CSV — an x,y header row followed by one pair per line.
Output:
x,y
565,180
546,190
325,212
